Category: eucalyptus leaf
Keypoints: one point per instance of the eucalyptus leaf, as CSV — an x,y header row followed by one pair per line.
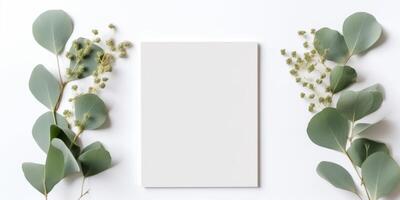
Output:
x,y
57,132
44,87
329,129
52,30
360,149
356,105
90,110
361,31
59,163
336,175
381,175
41,129
34,174
94,159
360,128
332,43
341,77
89,61
70,163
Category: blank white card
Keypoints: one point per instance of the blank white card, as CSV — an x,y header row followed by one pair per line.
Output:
x,y
199,114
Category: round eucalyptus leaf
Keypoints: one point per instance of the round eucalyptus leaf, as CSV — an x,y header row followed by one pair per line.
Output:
x,y
52,30
381,175
336,175
44,87
34,174
341,77
361,31
41,129
90,110
94,159
332,43
360,149
89,62
356,105
329,129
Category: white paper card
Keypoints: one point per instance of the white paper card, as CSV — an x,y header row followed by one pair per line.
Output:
x,y
199,114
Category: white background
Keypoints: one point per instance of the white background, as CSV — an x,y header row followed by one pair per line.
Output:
x,y
288,158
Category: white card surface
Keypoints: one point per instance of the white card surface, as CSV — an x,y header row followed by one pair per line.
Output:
x,y
199,114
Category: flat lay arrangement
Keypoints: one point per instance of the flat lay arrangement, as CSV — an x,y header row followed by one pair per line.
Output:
x,y
199,100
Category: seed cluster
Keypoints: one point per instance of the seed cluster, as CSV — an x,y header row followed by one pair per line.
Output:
x,y
310,70
105,59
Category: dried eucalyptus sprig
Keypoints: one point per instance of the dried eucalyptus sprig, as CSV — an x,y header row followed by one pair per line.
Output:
x,y
58,135
338,128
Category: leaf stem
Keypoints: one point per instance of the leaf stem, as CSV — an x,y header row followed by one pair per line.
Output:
x,y
352,162
82,188
59,71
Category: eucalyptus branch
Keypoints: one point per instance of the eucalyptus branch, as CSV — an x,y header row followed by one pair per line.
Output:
x,y
54,133
338,127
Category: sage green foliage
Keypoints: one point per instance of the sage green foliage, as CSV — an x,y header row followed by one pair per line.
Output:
x,y
88,62
53,132
34,173
94,159
44,87
361,31
52,30
341,77
336,175
41,129
381,174
331,43
360,128
340,127
57,132
329,129
90,110
356,105
361,149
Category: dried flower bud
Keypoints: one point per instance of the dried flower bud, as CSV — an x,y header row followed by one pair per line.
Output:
x,y
301,32
112,26
283,52
95,31
289,61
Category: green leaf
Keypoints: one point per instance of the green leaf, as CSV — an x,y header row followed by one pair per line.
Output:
x,y
70,164
329,129
41,129
360,149
333,42
361,31
89,62
90,110
94,159
34,174
59,163
57,132
356,105
52,30
381,175
341,77
360,128
337,176
44,87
